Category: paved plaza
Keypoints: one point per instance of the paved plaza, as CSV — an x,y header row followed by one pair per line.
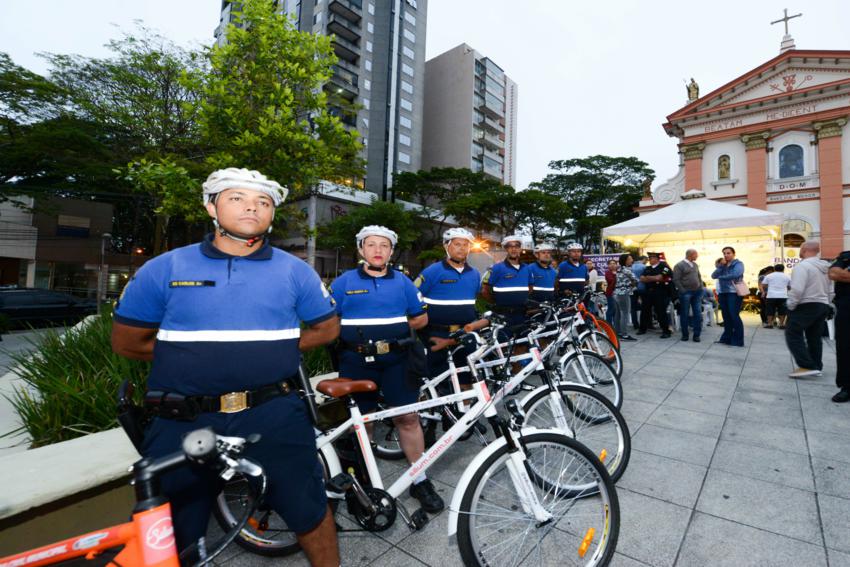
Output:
x,y
733,463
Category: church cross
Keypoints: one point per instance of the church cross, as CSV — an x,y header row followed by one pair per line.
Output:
x,y
785,19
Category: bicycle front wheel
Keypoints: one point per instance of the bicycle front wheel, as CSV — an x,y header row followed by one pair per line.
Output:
x,y
587,417
591,370
494,530
603,346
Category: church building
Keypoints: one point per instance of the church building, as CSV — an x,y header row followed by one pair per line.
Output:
x,y
776,138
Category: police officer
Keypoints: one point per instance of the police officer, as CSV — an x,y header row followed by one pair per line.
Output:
x,y
506,284
572,272
543,275
378,307
449,288
657,277
221,321
839,272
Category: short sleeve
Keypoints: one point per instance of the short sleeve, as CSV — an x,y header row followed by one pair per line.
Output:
x,y
415,302
487,275
530,275
314,303
422,282
142,303
337,290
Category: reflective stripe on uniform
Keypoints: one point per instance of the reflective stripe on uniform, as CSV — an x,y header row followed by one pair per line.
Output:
x,y
538,288
227,336
503,289
374,321
572,280
449,301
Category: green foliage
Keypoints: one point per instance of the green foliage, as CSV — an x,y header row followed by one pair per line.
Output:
x,y
264,106
341,232
316,361
598,191
72,383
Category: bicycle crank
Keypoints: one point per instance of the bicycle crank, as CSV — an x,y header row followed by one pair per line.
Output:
x,y
378,515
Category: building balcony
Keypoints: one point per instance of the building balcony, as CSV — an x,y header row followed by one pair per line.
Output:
x,y
344,83
345,49
494,172
351,10
343,28
491,141
348,66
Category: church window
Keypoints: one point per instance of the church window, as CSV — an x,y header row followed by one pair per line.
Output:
x,y
724,166
791,161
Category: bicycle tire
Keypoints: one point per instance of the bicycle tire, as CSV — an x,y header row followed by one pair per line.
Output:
x,y
599,375
277,540
485,498
591,419
385,441
601,344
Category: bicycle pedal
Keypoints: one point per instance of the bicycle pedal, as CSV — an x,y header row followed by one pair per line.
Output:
x,y
340,483
418,520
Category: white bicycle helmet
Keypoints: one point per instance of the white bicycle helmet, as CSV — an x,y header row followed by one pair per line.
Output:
x,y
544,246
512,238
458,232
376,230
574,246
236,177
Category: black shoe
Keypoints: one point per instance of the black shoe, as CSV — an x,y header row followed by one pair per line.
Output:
x,y
641,332
841,397
628,338
427,496
666,335
685,339
696,339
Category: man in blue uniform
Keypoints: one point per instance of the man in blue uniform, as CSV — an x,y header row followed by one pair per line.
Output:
x,y
378,307
839,273
543,275
506,284
449,288
572,272
221,322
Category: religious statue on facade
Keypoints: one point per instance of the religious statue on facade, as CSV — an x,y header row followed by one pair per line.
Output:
x,y
723,167
647,191
693,90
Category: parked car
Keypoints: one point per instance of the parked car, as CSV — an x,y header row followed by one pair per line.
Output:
x,y
25,307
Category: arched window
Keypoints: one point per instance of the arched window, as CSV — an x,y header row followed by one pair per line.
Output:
x,y
791,161
793,240
724,167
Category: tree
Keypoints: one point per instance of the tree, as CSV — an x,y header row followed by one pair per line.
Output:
x,y
598,191
541,215
340,233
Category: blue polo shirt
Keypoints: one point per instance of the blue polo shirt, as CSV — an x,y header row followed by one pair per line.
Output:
x,y
508,283
449,293
375,308
542,282
225,323
572,277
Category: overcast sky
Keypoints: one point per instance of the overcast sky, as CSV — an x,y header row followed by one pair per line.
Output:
x,y
594,77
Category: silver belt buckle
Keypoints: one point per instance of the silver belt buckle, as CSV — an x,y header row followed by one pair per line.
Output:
x,y
382,347
233,402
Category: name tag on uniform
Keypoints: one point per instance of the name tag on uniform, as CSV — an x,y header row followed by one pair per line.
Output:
x,y
510,276
191,283
448,281
356,291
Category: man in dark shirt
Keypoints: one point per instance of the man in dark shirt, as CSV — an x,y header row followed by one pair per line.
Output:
x,y
839,272
656,276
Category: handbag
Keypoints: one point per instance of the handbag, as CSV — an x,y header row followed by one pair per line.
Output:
x,y
741,288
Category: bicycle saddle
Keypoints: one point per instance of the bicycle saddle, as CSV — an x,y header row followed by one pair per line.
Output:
x,y
341,387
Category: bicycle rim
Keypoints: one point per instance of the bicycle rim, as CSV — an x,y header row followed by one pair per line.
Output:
x,y
594,373
494,530
604,347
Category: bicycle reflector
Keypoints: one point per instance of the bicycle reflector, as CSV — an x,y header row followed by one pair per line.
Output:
x,y
585,542
603,454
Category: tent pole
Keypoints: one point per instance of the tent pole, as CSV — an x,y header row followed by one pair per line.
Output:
x,y
602,241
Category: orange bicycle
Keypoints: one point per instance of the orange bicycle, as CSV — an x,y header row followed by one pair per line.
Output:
x,y
147,540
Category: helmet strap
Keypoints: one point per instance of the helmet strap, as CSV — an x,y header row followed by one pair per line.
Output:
x,y
249,242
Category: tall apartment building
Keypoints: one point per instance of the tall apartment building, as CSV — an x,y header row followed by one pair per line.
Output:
x,y
470,114
381,49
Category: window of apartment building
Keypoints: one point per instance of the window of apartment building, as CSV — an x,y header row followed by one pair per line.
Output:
x,y
369,46
371,8
370,27
366,103
405,121
409,52
407,87
410,35
410,18
368,64
317,17
406,104
403,139
403,157
366,122
405,68
367,84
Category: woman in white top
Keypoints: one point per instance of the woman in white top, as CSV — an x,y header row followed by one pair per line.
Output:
x,y
777,285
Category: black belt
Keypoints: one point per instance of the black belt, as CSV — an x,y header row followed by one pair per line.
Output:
x,y
173,405
510,309
375,348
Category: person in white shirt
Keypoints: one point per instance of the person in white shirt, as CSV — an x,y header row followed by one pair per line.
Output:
x,y
777,285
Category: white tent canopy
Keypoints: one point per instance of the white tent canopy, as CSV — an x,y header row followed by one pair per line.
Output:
x,y
696,219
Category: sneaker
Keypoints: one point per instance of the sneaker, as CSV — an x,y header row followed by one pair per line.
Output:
x,y
841,397
427,496
801,372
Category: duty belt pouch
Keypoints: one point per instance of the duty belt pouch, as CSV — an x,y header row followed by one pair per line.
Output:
x,y
171,405
132,417
417,361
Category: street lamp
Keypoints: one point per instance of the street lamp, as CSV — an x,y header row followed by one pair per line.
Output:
x,y
101,280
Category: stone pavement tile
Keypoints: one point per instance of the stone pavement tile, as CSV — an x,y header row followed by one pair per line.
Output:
x,y
829,446
687,420
395,557
773,437
698,387
822,414
679,445
650,530
705,372
777,385
654,380
620,560
772,465
637,391
718,542
666,479
835,515
838,559
831,477
823,386
433,542
705,404
769,399
773,415
635,411
676,360
779,509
